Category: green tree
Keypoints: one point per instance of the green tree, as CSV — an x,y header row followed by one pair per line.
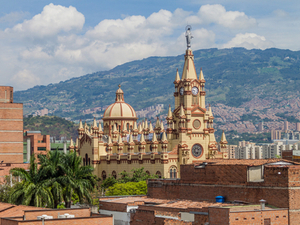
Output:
x,y
108,182
5,190
34,189
52,166
77,179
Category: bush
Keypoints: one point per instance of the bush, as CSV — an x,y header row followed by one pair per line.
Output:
x,y
129,188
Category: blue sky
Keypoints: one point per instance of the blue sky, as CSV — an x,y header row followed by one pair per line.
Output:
x,y
46,42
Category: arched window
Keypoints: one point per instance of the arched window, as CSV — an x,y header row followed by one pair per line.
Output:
x,y
83,162
86,159
103,175
114,174
128,127
173,172
158,173
147,172
89,161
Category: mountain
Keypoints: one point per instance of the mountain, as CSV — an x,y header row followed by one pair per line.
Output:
x,y
236,79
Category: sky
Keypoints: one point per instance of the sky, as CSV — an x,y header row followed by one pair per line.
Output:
x,y
43,42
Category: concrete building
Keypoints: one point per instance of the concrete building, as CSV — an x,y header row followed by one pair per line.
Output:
x,y
250,151
297,126
122,144
231,151
275,134
11,127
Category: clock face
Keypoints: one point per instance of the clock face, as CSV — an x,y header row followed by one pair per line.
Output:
x,y
196,150
181,91
195,90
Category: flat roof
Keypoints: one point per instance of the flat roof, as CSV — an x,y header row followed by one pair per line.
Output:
x,y
169,203
246,162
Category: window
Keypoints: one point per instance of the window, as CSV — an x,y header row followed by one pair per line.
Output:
x,y
173,172
128,127
86,160
158,173
114,174
41,148
147,172
103,175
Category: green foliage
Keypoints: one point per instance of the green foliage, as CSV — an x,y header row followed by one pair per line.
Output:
x,y
61,206
110,181
60,178
129,188
54,126
128,184
5,190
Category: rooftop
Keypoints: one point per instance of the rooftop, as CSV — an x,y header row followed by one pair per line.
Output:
x,y
247,162
169,203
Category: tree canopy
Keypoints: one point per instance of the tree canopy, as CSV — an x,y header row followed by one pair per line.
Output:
x,y
59,177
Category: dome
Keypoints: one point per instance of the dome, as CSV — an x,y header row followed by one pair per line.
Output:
x,y
119,109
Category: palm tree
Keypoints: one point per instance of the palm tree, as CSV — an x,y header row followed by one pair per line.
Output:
x,y
34,189
52,167
77,179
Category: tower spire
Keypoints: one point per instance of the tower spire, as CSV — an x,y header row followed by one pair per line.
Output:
x,y
177,79
223,138
201,76
170,112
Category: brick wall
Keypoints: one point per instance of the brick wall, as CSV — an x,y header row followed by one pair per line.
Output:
x,y
82,212
5,168
11,127
218,216
112,206
68,221
277,217
142,217
214,174
200,219
287,154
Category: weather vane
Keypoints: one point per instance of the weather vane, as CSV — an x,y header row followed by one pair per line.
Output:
x,y
188,36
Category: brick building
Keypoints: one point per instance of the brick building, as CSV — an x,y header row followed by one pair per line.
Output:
x,y
275,180
36,143
11,127
23,215
142,210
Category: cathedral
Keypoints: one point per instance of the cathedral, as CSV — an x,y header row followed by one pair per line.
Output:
x,y
120,144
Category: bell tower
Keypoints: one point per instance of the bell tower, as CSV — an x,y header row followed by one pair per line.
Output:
x,y
193,123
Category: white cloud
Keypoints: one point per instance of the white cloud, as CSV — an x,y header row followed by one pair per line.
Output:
x,y
25,78
52,46
249,41
52,20
231,19
13,17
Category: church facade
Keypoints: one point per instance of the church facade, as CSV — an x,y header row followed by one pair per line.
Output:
x,y
122,145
